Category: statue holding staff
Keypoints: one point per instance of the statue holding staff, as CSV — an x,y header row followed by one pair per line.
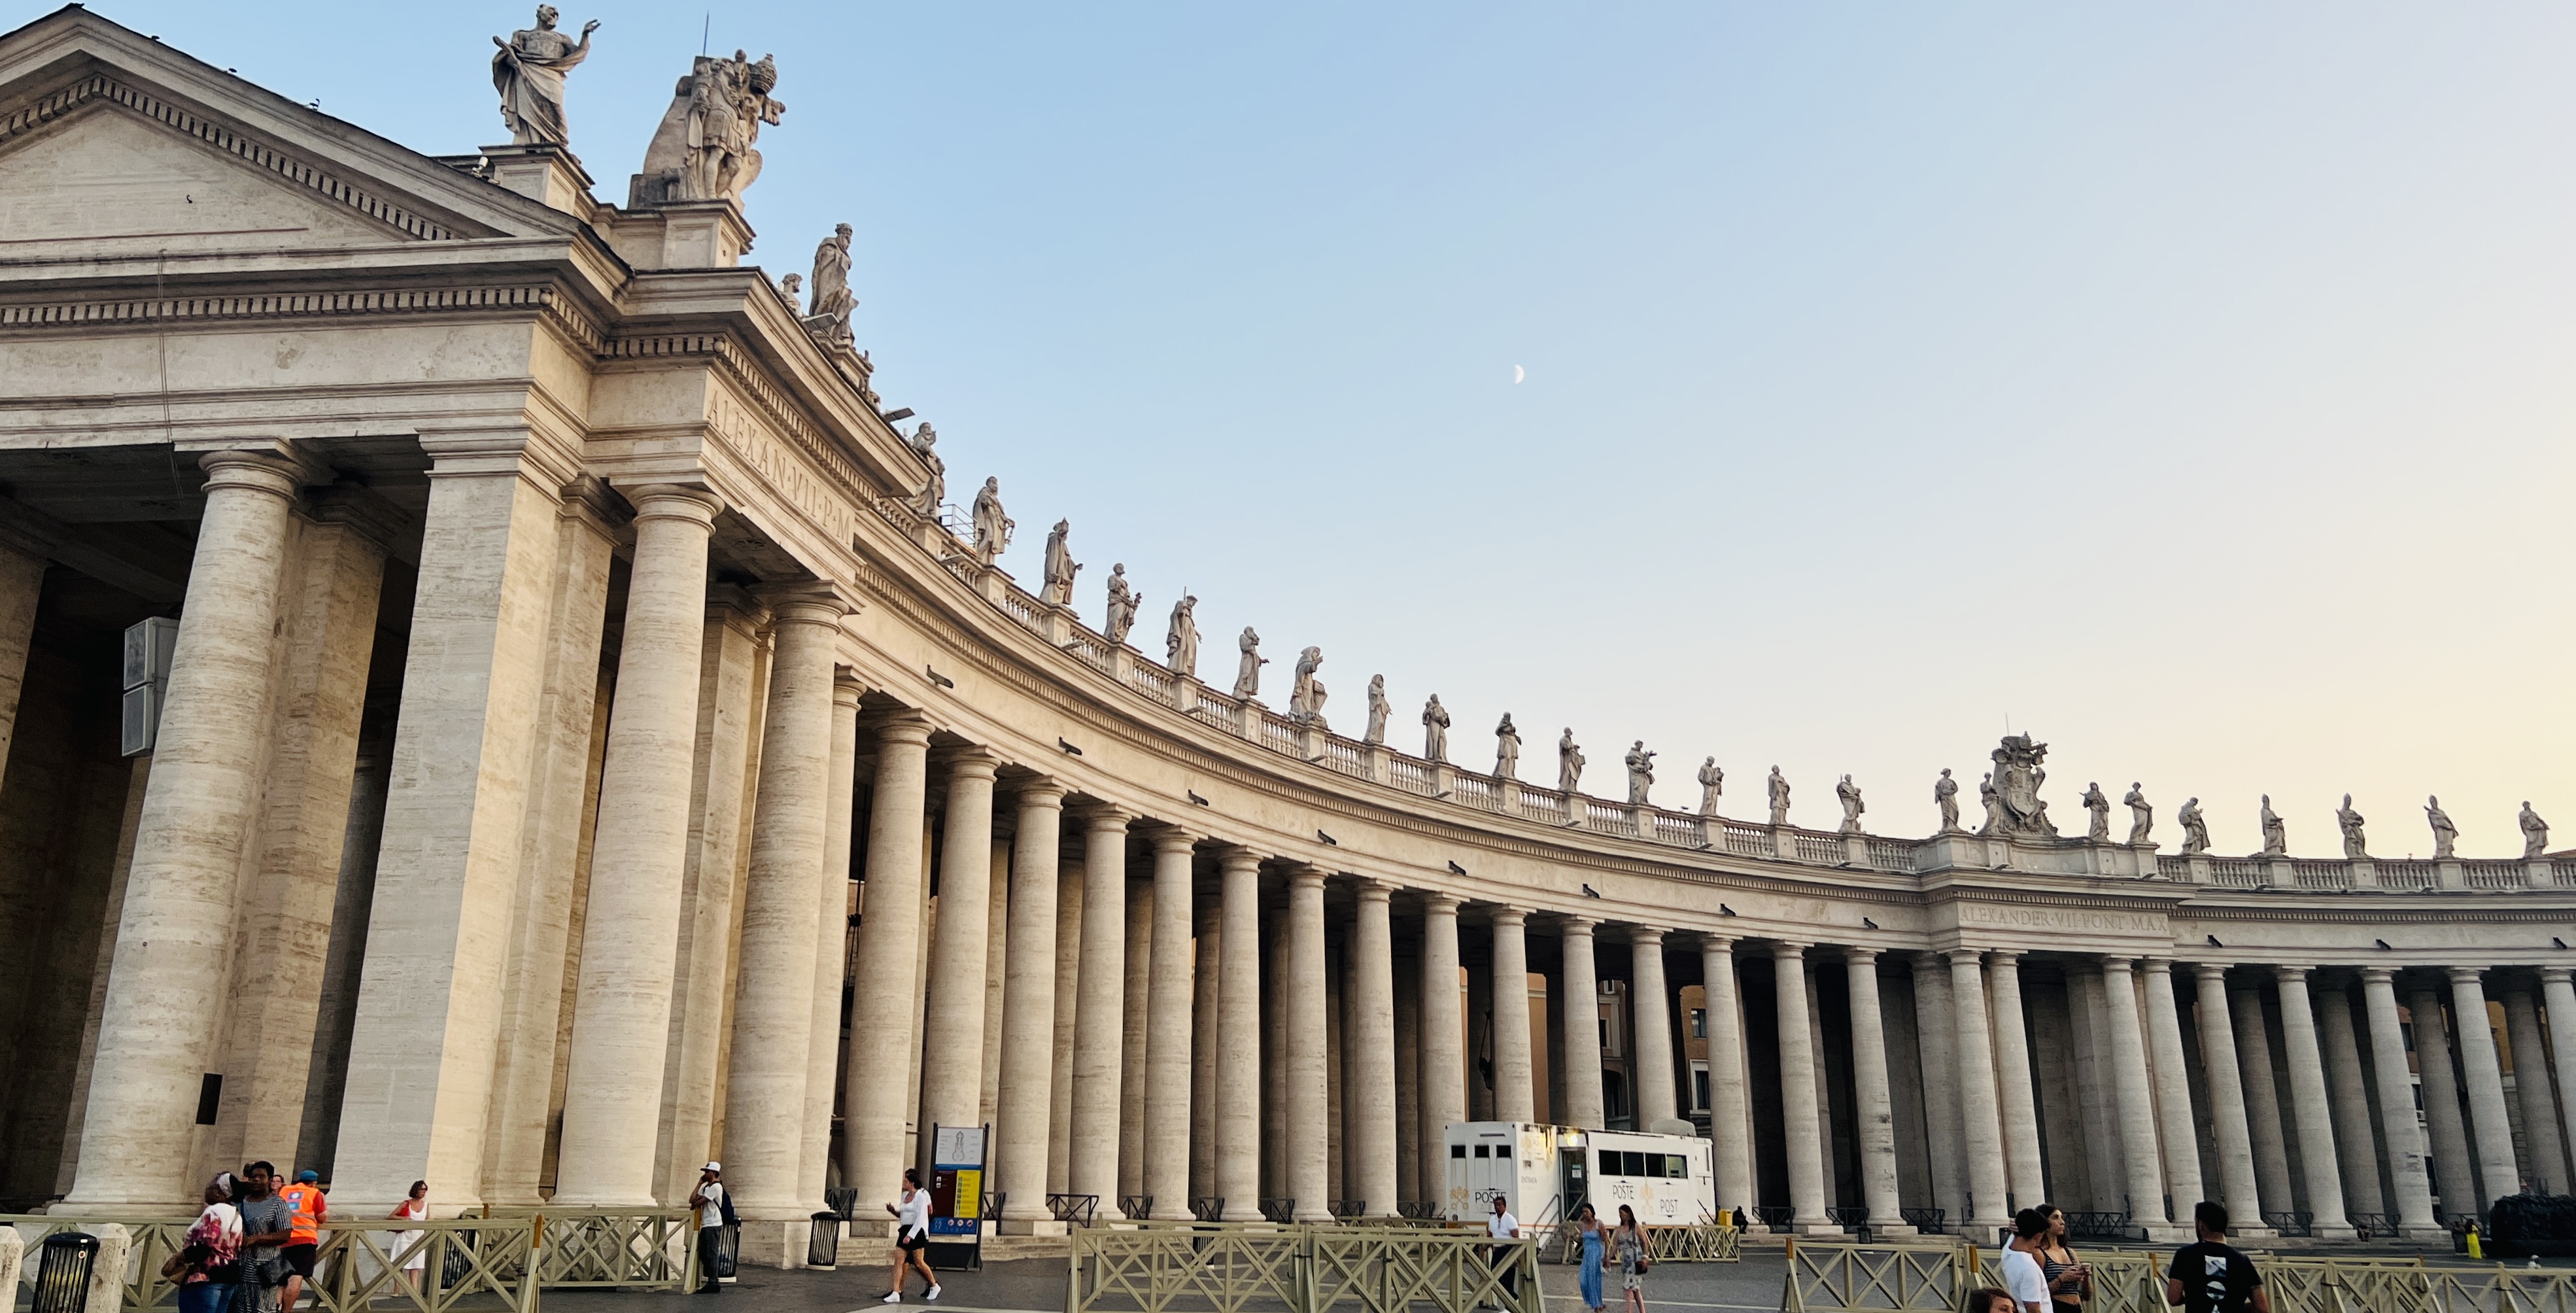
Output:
x,y
528,70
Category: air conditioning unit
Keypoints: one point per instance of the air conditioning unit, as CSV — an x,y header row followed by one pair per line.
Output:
x,y
148,648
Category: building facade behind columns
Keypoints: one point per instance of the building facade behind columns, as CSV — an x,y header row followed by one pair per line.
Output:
x,y
586,751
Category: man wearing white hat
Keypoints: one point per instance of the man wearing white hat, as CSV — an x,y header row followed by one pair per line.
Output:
x,y
715,1209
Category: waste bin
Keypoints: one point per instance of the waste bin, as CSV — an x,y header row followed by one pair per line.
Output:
x,y
824,1249
62,1275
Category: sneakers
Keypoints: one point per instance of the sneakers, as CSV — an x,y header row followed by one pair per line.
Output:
x,y
892,1297
934,1291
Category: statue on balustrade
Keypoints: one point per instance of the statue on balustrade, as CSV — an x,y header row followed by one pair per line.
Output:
x,y
992,528
1379,710
704,148
1569,763
2142,817
1712,782
2535,833
1994,804
1779,789
1641,773
2445,834
2349,821
1848,794
1181,643
2276,836
1247,665
924,442
528,70
1945,795
791,287
1507,750
1306,695
1060,566
1435,730
1122,604
2195,827
2099,831
828,316
2018,776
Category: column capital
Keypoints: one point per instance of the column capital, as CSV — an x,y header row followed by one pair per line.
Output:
x,y
2290,973
1306,875
2156,966
2115,964
2379,976
1789,950
2003,959
1712,942
1506,914
1965,957
1446,904
1172,839
1106,818
257,471
1859,956
2211,973
905,728
1041,791
2557,975
671,501
809,603
972,763
1643,936
2467,975
1571,925
1925,959
846,692
1375,891
1236,857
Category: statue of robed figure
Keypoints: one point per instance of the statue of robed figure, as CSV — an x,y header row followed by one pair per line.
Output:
x,y
528,70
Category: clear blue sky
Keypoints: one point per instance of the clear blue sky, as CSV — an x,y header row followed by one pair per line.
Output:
x,y
2189,384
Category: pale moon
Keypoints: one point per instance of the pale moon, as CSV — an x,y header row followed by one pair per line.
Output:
x,y
1518,374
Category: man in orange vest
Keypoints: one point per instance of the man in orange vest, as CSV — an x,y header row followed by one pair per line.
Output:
x,y
304,1234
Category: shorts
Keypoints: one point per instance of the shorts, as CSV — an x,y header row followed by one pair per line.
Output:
x,y
1632,1281
299,1258
913,1244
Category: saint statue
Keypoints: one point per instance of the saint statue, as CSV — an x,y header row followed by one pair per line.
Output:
x,y
2535,833
1641,773
1849,794
2100,829
791,287
1247,666
2349,821
703,150
1712,782
828,317
1569,763
992,528
1994,804
1779,788
1122,605
1378,711
2444,833
1306,696
2195,827
1181,645
1435,730
528,70
2017,778
1060,566
924,439
1945,795
1507,750
2276,836
2142,817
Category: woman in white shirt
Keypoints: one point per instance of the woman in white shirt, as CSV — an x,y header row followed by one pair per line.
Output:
x,y
912,1238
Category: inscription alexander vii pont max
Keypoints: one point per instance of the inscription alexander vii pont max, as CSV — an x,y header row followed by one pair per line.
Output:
x,y
2063,918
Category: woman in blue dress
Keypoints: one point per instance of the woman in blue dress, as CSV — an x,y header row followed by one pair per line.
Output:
x,y
1588,1225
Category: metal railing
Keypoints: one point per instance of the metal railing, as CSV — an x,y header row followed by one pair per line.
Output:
x,y
580,1248
1135,1205
1905,1278
1929,1221
1073,1209
2290,1224
1182,1268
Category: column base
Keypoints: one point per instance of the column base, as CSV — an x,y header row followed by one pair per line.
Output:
x,y
1047,1227
2166,1233
1805,1227
2254,1233
2426,1235
774,1243
1982,1229
2323,1231
1893,1230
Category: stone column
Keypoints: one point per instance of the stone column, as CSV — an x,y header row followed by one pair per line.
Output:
x,y
2350,1100
1307,1148
22,580
2226,1096
2454,1167
2558,1004
1651,1005
1409,1157
2262,1099
164,997
831,937
1799,1107
882,1002
1205,1036
2497,1174
1370,1061
1982,1142
1581,1059
2142,1179
2020,1113
1936,1020
2315,1116
773,1008
997,973
1238,1070
1730,1157
1875,1127
1133,1035
1168,1038
1514,1099
1068,997
1444,1063
2403,1137
1028,1010
2531,1090
1100,1015
952,1050
2181,1131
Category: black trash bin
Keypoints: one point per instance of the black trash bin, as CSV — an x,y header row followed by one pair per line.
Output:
x,y
823,1248
728,1251
62,1275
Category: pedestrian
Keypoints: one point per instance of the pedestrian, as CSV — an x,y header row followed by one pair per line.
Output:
x,y
2070,1283
1587,1226
267,1226
715,1209
409,1250
912,1238
1501,1225
1990,1299
306,1208
2209,1275
1632,1260
203,1266
2023,1277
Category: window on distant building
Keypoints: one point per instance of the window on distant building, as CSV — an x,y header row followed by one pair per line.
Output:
x,y
1699,1086
1699,1023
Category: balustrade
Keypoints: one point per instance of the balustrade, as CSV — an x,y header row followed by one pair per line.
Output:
x,y
2236,873
2494,874
1891,854
1821,849
2406,875
2324,875
1157,683
1409,773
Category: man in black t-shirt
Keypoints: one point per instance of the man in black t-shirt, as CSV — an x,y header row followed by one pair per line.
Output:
x,y
2209,1275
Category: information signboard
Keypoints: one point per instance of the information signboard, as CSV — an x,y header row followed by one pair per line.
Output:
x,y
957,1196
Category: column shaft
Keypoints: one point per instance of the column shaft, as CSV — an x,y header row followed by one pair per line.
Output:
x,y
2181,1132
2236,1174
1982,1140
2558,1009
2262,1100
831,938
2315,1116
1135,1037
22,581
1307,1144
1731,1157
1409,1157
1238,1072
882,1002
1936,1022
1205,977
1581,1058
2349,1098
2454,1166
1799,1106
1100,1017
1652,1002
1029,1007
1068,1000
1444,1065
2497,1174
1514,1099
1168,1041
2398,1126
952,1052
2013,1099
1875,1127
1371,1057
2143,1179
2539,1107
